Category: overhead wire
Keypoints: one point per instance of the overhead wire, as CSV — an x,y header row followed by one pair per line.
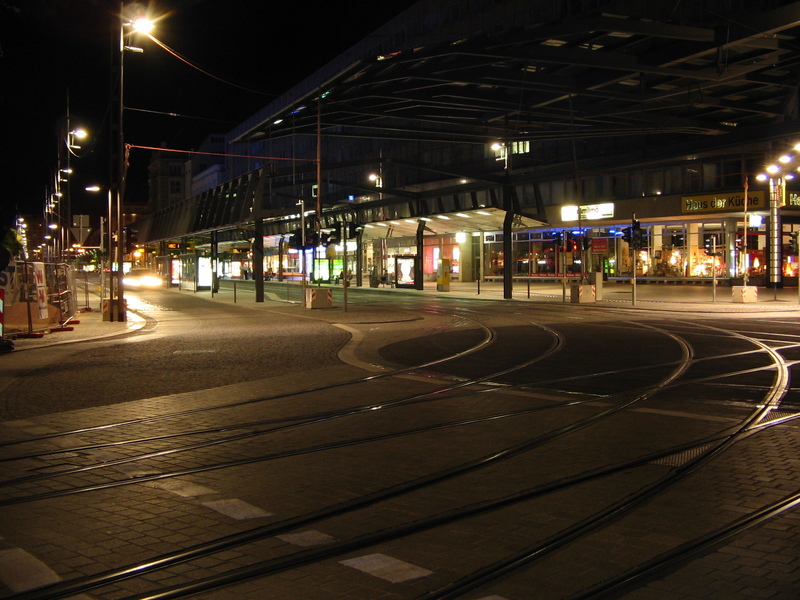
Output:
x,y
192,152
188,62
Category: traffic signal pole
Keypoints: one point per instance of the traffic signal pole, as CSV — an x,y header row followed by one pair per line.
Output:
x,y
634,255
345,283
302,205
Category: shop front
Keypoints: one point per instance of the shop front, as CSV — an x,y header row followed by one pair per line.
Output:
x,y
688,239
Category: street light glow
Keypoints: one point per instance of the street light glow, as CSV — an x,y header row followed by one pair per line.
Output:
x,y
143,25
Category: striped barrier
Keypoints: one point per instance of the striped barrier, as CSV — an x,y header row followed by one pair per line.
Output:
x,y
319,298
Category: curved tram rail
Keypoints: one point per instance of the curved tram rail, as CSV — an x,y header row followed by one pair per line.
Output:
x,y
491,471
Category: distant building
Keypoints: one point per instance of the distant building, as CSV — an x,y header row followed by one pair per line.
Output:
x,y
205,169
166,179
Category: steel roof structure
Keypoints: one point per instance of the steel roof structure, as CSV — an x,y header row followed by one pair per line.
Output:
x,y
657,75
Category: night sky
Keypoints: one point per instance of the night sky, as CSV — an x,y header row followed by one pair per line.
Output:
x,y
55,51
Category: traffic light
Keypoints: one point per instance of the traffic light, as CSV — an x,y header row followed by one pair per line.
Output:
x,y
586,242
296,239
627,235
312,239
636,234
352,230
567,243
130,239
793,246
335,236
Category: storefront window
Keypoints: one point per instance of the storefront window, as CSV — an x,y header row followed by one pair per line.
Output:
x,y
790,250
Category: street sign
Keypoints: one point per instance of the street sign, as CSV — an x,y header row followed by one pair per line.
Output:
x,y
80,234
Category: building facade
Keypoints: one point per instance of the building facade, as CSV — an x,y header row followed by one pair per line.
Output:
x,y
518,140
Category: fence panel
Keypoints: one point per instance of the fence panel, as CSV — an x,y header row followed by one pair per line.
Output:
x,y
38,296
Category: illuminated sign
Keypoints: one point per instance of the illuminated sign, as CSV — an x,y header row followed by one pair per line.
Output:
x,y
792,199
589,212
723,202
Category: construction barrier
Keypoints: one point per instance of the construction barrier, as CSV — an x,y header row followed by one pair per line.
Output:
x,y
744,293
319,298
581,293
38,297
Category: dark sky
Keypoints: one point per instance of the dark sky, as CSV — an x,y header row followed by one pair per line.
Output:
x,y
52,50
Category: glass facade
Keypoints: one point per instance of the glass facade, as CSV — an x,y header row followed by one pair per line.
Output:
x,y
670,251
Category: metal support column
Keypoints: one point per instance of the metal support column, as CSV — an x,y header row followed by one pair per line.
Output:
x,y
214,263
359,258
508,248
258,259
419,284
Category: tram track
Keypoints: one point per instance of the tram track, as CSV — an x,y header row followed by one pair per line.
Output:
x,y
678,369
299,421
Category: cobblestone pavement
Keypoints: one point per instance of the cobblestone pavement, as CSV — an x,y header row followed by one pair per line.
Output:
x,y
52,540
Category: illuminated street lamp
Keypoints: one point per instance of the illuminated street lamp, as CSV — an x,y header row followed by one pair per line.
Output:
x,y
136,23
105,245
777,175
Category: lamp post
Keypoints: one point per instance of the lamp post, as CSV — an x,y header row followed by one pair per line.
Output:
x,y
105,242
776,176
140,23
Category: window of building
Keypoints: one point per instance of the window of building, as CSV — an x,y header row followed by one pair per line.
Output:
x,y
522,147
710,176
732,174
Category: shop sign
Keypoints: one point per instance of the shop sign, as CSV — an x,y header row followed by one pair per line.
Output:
x,y
600,245
733,202
792,199
588,211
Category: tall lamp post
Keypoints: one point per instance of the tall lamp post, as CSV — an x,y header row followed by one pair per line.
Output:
x,y
69,140
776,176
137,23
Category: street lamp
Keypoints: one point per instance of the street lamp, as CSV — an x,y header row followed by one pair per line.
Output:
x,y
105,248
777,175
136,23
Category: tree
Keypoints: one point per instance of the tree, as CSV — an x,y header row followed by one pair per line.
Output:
x,y
10,246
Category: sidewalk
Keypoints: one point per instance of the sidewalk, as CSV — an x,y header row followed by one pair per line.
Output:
x,y
86,325
696,299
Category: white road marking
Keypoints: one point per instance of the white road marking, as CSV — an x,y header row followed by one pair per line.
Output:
x,y
307,538
386,567
21,571
237,509
181,488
